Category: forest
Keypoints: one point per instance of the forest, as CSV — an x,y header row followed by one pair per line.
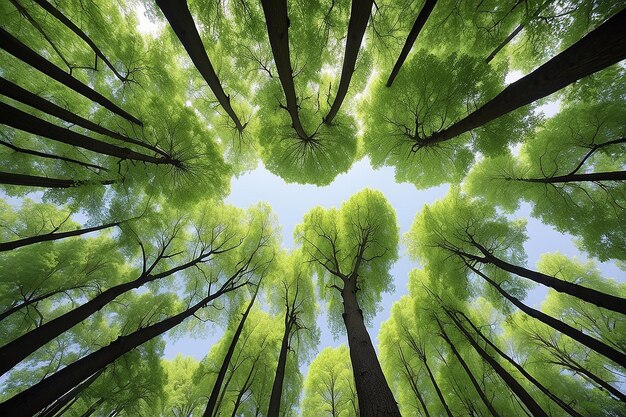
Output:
x,y
120,144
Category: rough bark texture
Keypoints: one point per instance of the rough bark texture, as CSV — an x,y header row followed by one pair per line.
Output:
x,y
24,53
359,16
422,17
375,397
18,119
601,48
45,182
53,236
179,17
278,32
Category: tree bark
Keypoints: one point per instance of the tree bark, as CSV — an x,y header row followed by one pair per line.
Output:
x,y
210,408
278,32
601,48
590,177
277,387
375,396
35,398
53,236
525,373
24,96
528,401
21,120
359,16
422,17
595,297
27,55
469,373
179,17
17,350
69,397
592,343
33,181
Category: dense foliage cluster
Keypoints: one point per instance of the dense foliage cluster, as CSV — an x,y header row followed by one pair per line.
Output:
x,y
118,147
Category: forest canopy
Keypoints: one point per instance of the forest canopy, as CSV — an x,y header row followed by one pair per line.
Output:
x,y
119,146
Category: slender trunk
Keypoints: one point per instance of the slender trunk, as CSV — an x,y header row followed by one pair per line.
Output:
x,y
78,31
522,371
35,398
510,381
437,389
24,96
422,17
591,177
598,381
32,181
595,297
179,17
92,408
277,387
223,393
11,310
375,397
359,16
210,408
588,341
504,43
51,156
53,236
27,55
599,49
469,373
411,379
17,350
278,32
69,397
21,120
244,388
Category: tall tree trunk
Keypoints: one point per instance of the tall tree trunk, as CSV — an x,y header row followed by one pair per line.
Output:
x,y
469,373
597,380
359,16
411,379
27,55
244,388
92,408
422,17
17,350
33,181
528,401
437,389
590,177
278,32
593,344
277,387
595,297
24,96
504,43
21,120
210,408
51,156
375,396
179,17
70,396
54,236
524,372
11,310
35,398
81,34
599,49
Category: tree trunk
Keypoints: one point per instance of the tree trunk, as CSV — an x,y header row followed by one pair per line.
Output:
x,y
411,379
593,344
51,156
210,408
17,350
504,43
27,55
24,96
244,388
35,398
599,49
359,16
92,408
375,397
21,120
6,313
70,396
78,31
179,17
32,181
278,32
53,236
469,373
521,370
595,297
422,17
512,383
591,177
598,381
277,387
437,389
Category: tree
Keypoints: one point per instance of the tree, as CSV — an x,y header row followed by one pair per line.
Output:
x,y
352,249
